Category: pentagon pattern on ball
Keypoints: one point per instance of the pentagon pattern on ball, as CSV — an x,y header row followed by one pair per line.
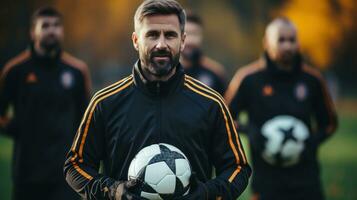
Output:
x,y
164,170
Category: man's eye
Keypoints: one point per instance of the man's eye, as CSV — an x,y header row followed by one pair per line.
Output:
x,y
45,25
152,35
171,35
281,40
292,40
57,24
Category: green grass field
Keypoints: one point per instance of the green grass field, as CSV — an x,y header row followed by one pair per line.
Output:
x,y
338,158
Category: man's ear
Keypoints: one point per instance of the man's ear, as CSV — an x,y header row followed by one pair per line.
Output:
x,y
134,38
183,39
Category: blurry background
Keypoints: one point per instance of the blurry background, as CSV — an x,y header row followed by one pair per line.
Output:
x,y
99,33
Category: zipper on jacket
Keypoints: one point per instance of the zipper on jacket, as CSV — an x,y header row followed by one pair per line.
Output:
x,y
159,108
158,88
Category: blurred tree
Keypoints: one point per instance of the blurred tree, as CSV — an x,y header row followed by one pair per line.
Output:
x,y
14,28
344,60
100,32
255,11
327,33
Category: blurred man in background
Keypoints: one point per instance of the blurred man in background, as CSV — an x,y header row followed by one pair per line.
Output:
x,y
290,115
195,63
48,91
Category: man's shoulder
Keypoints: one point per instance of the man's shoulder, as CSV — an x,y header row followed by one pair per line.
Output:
x,y
201,92
74,62
242,74
252,68
112,92
213,66
311,72
16,61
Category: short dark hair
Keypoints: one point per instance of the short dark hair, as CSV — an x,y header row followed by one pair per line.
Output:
x,y
45,11
193,18
160,7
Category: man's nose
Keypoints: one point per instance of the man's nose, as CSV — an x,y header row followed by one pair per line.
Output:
x,y
287,45
51,28
161,44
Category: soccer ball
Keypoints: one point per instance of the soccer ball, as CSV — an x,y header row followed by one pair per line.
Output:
x,y
285,140
164,171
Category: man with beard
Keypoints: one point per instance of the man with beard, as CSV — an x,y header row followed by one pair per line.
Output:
x,y
195,63
158,103
48,90
290,115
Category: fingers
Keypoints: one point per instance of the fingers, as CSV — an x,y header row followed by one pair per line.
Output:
x,y
119,192
130,183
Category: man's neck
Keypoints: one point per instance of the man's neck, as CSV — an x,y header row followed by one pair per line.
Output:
x,y
151,77
42,52
284,66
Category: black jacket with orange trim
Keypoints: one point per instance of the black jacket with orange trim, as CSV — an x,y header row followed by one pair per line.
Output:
x,y
48,97
283,107
134,113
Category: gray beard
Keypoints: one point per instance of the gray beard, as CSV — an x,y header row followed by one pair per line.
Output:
x,y
161,71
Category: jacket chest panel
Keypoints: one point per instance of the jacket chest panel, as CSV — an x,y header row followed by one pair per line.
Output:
x,y
275,98
54,87
146,121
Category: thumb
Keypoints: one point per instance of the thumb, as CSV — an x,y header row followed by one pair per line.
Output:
x,y
119,192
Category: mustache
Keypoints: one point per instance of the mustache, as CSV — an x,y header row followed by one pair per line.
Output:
x,y
161,53
51,35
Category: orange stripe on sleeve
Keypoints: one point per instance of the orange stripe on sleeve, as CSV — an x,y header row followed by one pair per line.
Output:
x,y
22,57
231,178
212,92
91,114
239,76
98,94
225,117
110,90
80,171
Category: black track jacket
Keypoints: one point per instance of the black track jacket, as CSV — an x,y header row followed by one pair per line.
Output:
x,y
288,110
48,97
134,113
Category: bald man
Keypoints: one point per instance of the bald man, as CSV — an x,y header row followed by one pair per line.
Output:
x,y
290,114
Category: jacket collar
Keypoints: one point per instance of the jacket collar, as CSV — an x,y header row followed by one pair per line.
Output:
x,y
158,88
45,60
276,71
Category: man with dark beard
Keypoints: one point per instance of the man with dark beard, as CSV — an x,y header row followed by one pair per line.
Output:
x,y
290,115
195,63
158,103
48,90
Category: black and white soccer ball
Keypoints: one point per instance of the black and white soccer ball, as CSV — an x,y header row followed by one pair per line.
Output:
x,y
285,140
163,170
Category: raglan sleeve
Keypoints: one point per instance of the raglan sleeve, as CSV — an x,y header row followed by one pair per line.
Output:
x,y
229,159
8,82
324,111
236,94
83,160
